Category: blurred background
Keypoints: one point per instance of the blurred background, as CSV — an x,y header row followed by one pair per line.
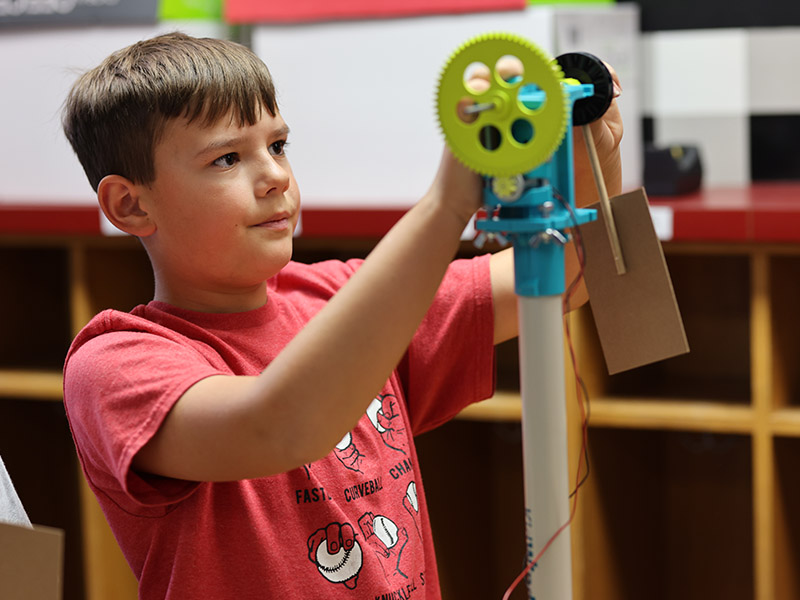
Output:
x,y
692,492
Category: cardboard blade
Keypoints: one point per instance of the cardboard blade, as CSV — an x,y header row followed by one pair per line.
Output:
x,y
637,316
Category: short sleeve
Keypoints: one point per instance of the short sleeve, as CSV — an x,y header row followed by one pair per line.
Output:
x,y
118,388
451,360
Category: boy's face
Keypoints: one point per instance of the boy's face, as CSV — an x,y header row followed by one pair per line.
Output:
x,y
225,204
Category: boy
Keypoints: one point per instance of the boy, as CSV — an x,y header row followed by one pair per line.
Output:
x,y
248,433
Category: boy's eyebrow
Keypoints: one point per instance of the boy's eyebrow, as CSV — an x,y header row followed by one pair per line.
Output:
x,y
215,145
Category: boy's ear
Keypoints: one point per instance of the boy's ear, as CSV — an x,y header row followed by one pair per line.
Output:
x,y
119,199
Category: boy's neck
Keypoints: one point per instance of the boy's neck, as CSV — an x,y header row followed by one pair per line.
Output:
x,y
213,301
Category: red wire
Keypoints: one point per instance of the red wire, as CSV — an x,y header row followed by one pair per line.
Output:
x,y
584,428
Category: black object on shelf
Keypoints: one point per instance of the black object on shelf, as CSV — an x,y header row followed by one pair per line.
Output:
x,y
672,170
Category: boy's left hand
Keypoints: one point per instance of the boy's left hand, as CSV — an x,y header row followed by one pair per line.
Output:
x,y
607,134
607,130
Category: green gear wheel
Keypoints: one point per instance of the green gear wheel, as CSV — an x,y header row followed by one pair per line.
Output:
x,y
492,144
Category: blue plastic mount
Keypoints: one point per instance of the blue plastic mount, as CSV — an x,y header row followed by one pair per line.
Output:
x,y
536,223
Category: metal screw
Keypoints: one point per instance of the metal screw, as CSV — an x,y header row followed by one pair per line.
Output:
x,y
546,208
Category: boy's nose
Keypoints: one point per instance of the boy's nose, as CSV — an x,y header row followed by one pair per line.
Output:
x,y
272,176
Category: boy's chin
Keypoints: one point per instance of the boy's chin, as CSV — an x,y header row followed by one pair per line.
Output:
x,y
278,263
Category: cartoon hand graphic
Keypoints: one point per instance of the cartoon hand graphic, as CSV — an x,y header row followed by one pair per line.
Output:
x,y
384,413
387,540
411,504
336,553
348,454
335,535
365,523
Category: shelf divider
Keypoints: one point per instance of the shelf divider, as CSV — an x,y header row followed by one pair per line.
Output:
x,y
31,384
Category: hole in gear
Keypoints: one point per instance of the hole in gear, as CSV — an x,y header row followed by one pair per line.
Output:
x,y
461,107
509,68
476,77
490,137
531,96
522,131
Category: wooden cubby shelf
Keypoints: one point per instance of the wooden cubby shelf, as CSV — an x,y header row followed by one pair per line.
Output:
x,y
785,422
692,490
787,518
668,515
32,384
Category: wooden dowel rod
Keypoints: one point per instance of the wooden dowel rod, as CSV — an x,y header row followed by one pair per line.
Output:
x,y
605,203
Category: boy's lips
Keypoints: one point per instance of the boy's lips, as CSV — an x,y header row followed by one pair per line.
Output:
x,y
281,221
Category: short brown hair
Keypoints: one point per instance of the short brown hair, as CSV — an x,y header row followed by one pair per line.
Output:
x,y
114,114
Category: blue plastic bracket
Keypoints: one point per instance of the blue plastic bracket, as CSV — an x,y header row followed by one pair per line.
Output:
x,y
536,223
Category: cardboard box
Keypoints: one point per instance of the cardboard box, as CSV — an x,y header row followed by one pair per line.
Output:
x,y
31,562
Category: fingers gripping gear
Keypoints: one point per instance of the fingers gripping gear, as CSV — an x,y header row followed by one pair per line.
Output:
x,y
513,125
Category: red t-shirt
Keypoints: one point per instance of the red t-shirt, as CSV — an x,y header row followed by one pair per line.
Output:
x,y
351,525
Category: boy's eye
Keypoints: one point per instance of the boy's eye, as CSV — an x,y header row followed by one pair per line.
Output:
x,y
278,148
227,160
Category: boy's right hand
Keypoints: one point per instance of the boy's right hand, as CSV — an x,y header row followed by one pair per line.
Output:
x,y
457,183
457,187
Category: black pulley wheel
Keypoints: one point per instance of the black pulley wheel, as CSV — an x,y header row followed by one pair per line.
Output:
x,y
587,68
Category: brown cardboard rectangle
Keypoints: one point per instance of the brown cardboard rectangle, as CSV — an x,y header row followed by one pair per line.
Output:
x,y
637,316
31,562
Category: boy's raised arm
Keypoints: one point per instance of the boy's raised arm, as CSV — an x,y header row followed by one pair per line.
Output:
x,y
318,387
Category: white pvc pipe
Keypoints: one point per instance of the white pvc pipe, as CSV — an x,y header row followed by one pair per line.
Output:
x,y
544,444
